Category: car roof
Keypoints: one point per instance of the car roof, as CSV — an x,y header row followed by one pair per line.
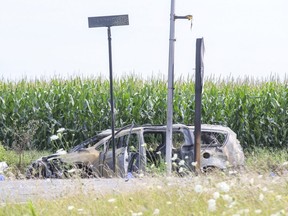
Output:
x,y
142,127
216,128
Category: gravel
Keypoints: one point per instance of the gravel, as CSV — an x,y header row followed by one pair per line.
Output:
x,y
25,190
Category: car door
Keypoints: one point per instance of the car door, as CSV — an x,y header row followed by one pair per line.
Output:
x,y
183,147
121,155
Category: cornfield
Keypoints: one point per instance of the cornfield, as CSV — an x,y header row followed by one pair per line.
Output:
x,y
256,110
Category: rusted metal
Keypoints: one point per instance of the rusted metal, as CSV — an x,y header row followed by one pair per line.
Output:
x,y
199,73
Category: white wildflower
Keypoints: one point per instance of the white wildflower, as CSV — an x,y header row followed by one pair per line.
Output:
x,y
260,176
227,164
233,172
168,202
264,189
251,181
279,213
159,187
70,208
144,145
159,152
186,157
112,200
156,212
223,186
278,197
285,163
216,195
231,205
175,156
181,170
61,151
198,188
54,137
61,130
258,211
243,211
194,163
72,170
246,211
181,163
59,135
211,205
227,198
137,213
261,197
80,210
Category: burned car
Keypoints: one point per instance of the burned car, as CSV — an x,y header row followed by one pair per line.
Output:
x,y
220,148
137,149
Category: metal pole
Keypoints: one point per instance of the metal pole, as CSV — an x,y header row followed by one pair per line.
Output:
x,y
169,129
198,97
108,21
111,99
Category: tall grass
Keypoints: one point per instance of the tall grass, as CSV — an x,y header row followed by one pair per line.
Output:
x,y
256,110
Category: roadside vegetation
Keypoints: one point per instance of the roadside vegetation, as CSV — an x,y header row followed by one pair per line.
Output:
x,y
31,113
234,194
259,189
260,160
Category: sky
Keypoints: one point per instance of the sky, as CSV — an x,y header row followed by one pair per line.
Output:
x,y
48,38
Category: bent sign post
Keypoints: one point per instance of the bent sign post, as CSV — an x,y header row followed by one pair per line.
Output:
x,y
199,73
109,21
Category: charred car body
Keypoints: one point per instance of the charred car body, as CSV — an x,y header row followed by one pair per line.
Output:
x,y
139,147
220,148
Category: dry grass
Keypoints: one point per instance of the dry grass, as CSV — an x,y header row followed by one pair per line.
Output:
x,y
217,194
259,189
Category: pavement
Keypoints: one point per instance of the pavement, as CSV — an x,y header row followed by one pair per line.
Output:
x,y
29,190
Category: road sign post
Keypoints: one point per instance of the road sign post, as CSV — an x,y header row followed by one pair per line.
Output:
x,y
199,73
109,21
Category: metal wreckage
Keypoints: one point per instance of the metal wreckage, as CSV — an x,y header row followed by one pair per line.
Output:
x,y
140,147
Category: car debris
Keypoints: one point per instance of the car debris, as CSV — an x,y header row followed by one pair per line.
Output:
x,y
137,149
220,148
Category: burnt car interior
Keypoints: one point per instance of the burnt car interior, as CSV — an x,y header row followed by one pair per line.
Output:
x,y
212,139
155,146
147,146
